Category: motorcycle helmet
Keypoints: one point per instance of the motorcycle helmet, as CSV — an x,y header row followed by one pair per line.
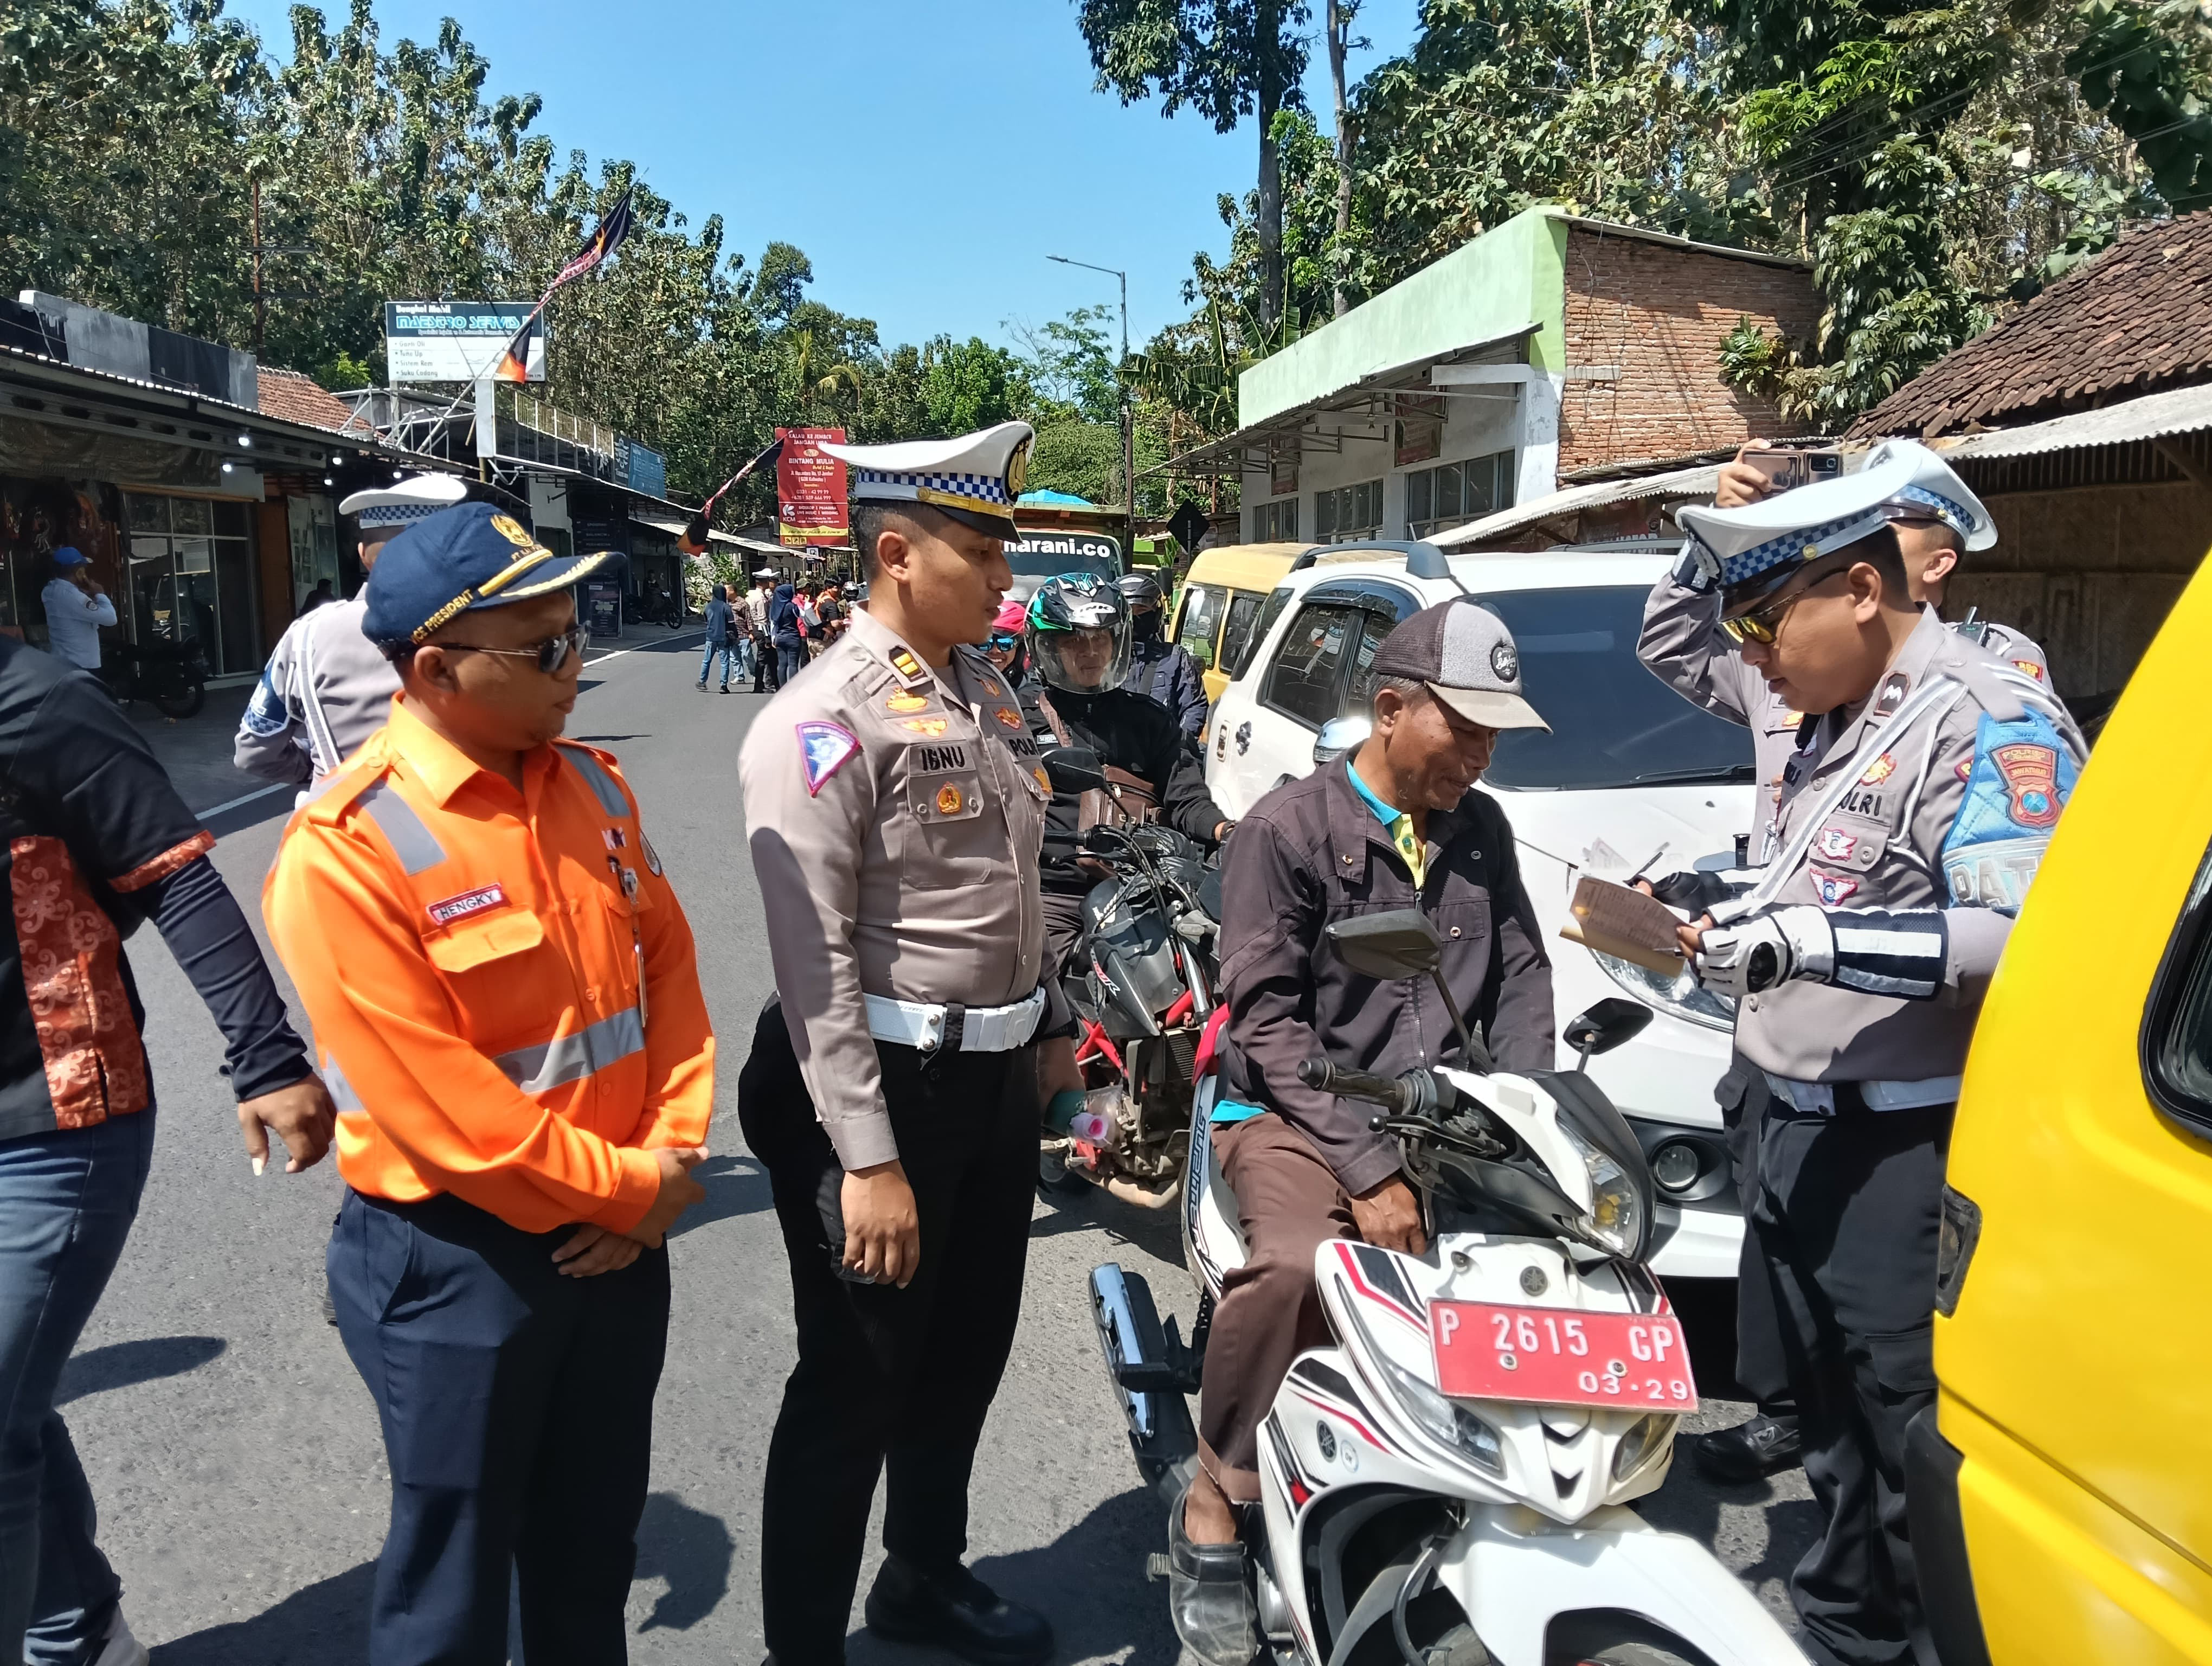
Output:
x,y
1139,590
1069,616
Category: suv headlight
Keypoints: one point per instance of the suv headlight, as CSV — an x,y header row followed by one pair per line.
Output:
x,y
1618,1210
1444,1421
1683,995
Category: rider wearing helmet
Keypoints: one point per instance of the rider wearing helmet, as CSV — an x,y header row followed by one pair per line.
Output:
x,y
1158,669
1078,648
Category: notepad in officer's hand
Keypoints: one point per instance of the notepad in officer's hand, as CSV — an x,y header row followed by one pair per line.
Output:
x,y
1622,922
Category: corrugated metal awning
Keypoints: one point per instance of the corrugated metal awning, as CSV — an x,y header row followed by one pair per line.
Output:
x,y
2152,416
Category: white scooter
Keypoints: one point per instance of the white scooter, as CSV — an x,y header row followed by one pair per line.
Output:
x,y
1444,1485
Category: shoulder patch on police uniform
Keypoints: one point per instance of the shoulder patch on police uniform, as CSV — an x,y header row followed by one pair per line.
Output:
x,y
825,748
2030,667
2019,779
1894,688
910,669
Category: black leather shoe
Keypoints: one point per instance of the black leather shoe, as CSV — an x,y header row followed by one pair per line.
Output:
x,y
1210,1597
1750,1451
956,1611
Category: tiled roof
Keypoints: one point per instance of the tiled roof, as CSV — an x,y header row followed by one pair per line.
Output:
x,y
299,398
2136,319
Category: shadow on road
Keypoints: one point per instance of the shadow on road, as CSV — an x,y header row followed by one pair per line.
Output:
x,y
735,1186
690,1549
1090,1582
1157,1232
125,1365
327,1621
1791,1525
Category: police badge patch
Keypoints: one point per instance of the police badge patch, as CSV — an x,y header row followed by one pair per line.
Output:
x,y
1833,889
823,749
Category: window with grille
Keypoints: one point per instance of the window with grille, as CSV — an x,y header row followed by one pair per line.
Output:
x,y
1276,522
1452,494
1346,513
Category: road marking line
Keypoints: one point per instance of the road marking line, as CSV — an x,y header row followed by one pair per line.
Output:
x,y
233,803
700,634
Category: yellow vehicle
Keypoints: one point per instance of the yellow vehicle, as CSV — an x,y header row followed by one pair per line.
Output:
x,y
1220,602
2061,1494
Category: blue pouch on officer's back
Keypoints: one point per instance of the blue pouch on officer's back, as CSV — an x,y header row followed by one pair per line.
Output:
x,y
2021,775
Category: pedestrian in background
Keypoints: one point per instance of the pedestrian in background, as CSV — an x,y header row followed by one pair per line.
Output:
x,y
327,688
96,840
830,614
78,605
783,624
524,1071
722,636
758,601
1158,669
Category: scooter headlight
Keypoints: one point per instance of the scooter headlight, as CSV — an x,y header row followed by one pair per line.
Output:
x,y
1618,1210
1444,1421
1644,1441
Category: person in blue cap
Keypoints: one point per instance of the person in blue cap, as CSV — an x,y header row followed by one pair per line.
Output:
x,y
78,607
1913,812
520,1054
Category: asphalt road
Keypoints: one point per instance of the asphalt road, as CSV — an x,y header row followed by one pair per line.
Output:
x,y
235,1455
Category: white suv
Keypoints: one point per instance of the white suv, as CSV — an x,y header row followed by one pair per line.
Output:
x,y
1629,766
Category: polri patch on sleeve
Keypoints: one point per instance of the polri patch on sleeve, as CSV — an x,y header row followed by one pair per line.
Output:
x,y
823,749
468,902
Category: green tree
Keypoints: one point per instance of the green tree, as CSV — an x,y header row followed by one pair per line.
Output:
x,y
1068,363
969,384
1224,61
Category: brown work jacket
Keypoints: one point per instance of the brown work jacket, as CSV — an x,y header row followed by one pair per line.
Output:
x,y
1312,852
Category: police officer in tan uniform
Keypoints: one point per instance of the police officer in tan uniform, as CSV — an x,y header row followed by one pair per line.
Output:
x,y
1912,817
896,803
1938,521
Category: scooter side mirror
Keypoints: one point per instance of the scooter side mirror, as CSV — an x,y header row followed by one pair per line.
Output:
x,y
1073,769
1607,1026
1399,943
1339,736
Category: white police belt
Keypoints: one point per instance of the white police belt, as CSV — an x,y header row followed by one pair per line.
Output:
x,y
972,1029
1819,1099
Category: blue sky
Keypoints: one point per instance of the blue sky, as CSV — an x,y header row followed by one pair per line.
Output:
x,y
928,155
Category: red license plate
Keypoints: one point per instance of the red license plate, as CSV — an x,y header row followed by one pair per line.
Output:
x,y
1557,1357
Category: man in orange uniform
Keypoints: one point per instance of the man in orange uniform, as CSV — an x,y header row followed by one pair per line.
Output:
x,y
506,1004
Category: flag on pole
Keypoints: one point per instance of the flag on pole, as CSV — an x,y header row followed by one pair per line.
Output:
x,y
513,365
695,533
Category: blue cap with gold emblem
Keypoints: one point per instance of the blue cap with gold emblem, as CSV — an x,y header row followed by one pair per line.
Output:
x,y
471,557
1749,551
974,478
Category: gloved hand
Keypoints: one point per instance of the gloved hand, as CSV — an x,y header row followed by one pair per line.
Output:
x,y
1693,892
1741,960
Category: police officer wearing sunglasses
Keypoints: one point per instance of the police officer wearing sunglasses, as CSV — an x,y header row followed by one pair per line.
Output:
x,y
1913,812
1938,522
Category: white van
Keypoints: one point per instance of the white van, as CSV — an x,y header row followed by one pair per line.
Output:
x,y
1629,767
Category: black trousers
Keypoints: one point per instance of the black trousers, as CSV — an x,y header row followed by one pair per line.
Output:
x,y
1063,925
887,1378
1761,1370
517,1408
1847,1212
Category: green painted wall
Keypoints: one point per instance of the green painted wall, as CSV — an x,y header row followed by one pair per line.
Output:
x,y
1512,275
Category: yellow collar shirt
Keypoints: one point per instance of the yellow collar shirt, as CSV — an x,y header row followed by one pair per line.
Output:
x,y
503,987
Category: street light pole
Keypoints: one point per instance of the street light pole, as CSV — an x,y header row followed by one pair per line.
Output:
x,y
1121,376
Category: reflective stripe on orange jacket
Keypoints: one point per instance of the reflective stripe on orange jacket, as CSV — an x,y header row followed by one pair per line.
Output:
x,y
471,960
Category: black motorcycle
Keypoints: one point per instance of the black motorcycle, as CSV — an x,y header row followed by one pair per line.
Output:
x,y
172,676
1141,983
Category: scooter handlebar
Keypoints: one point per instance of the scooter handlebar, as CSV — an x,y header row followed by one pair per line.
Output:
x,y
1327,1078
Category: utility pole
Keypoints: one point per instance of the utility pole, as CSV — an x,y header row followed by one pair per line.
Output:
x,y
1121,378
260,309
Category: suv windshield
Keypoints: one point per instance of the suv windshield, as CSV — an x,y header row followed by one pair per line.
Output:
x,y
1613,723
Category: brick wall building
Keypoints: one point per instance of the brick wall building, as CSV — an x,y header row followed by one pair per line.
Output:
x,y
1643,325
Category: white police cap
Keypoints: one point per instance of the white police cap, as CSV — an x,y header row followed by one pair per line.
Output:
x,y
974,478
405,501
1761,540
1935,493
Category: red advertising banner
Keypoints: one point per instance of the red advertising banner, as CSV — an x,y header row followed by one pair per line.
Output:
x,y
810,488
